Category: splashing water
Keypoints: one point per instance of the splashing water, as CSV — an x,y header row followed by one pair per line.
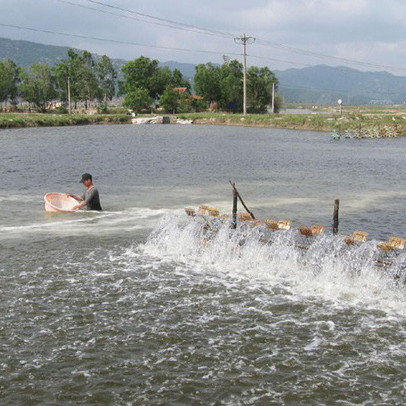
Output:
x,y
96,312
326,268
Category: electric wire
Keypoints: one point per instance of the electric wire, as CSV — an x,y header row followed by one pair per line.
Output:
x,y
203,30
135,18
117,41
192,28
259,41
345,69
325,56
190,50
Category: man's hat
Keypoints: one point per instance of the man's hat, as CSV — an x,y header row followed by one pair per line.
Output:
x,y
86,176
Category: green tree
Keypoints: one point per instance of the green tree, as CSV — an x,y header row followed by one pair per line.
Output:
x,y
138,99
259,88
38,86
170,100
207,82
232,86
225,86
174,102
221,84
106,75
9,80
159,82
198,104
81,71
89,86
185,103
69,68
145,73
178,80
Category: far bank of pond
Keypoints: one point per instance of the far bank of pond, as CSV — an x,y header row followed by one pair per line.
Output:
x,y
380,122
353,122
20,120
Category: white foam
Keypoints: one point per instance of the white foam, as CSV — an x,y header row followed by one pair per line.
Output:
x,y
75,223
17,198
344,276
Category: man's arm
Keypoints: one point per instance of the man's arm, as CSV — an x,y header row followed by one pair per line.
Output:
x,y
80,205
78,198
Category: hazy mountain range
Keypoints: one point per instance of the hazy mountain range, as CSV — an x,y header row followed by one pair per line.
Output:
x,y
319,84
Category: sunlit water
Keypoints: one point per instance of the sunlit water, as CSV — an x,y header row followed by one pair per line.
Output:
x,y
141,304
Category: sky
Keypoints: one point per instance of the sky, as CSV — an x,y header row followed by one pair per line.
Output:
x,y
362,34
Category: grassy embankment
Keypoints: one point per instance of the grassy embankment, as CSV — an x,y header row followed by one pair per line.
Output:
x,y
352,119
17,120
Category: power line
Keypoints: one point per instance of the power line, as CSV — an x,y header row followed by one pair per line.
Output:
x,y
203,30
344,69
263,42
193,28
115,41
279,60
325,56
181,50
135,18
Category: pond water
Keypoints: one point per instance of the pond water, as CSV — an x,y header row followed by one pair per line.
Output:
x,y
135,305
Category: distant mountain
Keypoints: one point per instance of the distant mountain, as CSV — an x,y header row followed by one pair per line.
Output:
x,y
24,53
316,85
188,69
326,84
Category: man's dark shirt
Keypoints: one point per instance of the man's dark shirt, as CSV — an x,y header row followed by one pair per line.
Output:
x,y
91,197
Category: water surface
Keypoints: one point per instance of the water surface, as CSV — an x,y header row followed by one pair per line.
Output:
x,y
133,305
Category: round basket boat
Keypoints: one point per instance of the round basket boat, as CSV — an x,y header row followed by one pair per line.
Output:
x,y
59,202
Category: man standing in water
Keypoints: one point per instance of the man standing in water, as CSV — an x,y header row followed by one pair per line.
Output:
x,y
91,196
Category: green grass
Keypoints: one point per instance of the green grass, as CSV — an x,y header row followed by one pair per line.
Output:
x,y
15,120
352,118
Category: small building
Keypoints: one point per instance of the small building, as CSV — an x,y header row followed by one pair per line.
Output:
x,y
185,90
181,90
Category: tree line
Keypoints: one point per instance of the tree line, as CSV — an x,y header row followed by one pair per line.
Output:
x,y
144,85
79,76
223,85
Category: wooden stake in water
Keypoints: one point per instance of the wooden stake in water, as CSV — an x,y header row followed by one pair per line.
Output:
x,y
242,201
335,216
235,202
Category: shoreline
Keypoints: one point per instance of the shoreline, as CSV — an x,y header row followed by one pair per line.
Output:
x,y
25,120
324,122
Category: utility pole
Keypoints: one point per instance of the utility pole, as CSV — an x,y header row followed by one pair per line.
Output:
x,y
69,95
244,40
273,97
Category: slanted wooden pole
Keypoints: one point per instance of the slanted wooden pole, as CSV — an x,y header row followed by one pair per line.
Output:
x,y
235,202
335,216
242,201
